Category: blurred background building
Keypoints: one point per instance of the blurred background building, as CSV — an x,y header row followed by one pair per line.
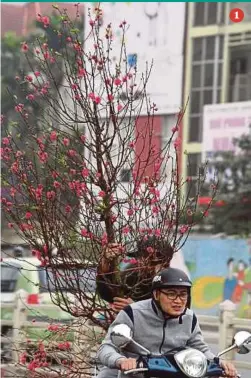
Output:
x,y
217,70
153,35
21,18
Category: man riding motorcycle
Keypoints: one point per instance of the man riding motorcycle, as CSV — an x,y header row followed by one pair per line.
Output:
x,y
160,324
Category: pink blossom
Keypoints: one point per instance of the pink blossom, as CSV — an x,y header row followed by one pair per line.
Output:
x,y
28,215
22,358
91,22
64,345
38,192
46,21
83,138
10,225
132,144
150,250
110,97
174,129
53,136
130,212
97,100
53,327
155,210
66,142
117,81
72,153
32,365
57,184
125,230
68,209
114,218
85,172
24,47
133,261
37,73
184,229
81,72
29,78
19,108
17,78
43,156
54,174
157,232
44,91
73,171
19,154
91,96
50,195
119,107
46,55
84,232
101,194
25,227
30,97
6,141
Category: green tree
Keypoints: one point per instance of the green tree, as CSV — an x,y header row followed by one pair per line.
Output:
x,y
234,171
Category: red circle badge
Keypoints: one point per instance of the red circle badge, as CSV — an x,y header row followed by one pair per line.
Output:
x,y
236,15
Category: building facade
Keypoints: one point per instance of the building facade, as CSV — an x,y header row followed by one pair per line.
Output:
x,y
217,70
154,37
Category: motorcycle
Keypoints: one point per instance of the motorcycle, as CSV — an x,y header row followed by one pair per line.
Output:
x,y
180,363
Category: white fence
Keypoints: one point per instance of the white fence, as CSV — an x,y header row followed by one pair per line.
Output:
x,y
216,330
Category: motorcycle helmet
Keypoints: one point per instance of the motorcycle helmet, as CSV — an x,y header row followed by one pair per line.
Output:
x,y
170,277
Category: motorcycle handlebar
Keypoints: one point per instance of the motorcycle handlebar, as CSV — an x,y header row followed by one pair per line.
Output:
x,y
137,370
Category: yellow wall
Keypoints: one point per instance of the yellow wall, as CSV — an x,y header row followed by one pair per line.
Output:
x,y
202,31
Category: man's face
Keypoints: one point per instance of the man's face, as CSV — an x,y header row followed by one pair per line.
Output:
x,y
172,300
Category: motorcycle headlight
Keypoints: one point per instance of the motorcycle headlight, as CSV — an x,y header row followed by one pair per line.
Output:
x,y
192,362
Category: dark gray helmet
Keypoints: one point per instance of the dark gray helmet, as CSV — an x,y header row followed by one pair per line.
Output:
x,y
170,277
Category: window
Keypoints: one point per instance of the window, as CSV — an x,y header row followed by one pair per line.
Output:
x,y
240,74
9,276
209,13
199,14
125,175
194,130
193,168
193,164
206,80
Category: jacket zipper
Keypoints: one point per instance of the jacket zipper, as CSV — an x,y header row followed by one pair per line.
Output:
x,y
164,334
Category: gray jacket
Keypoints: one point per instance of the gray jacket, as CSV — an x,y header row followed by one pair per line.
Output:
x,y
154,332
